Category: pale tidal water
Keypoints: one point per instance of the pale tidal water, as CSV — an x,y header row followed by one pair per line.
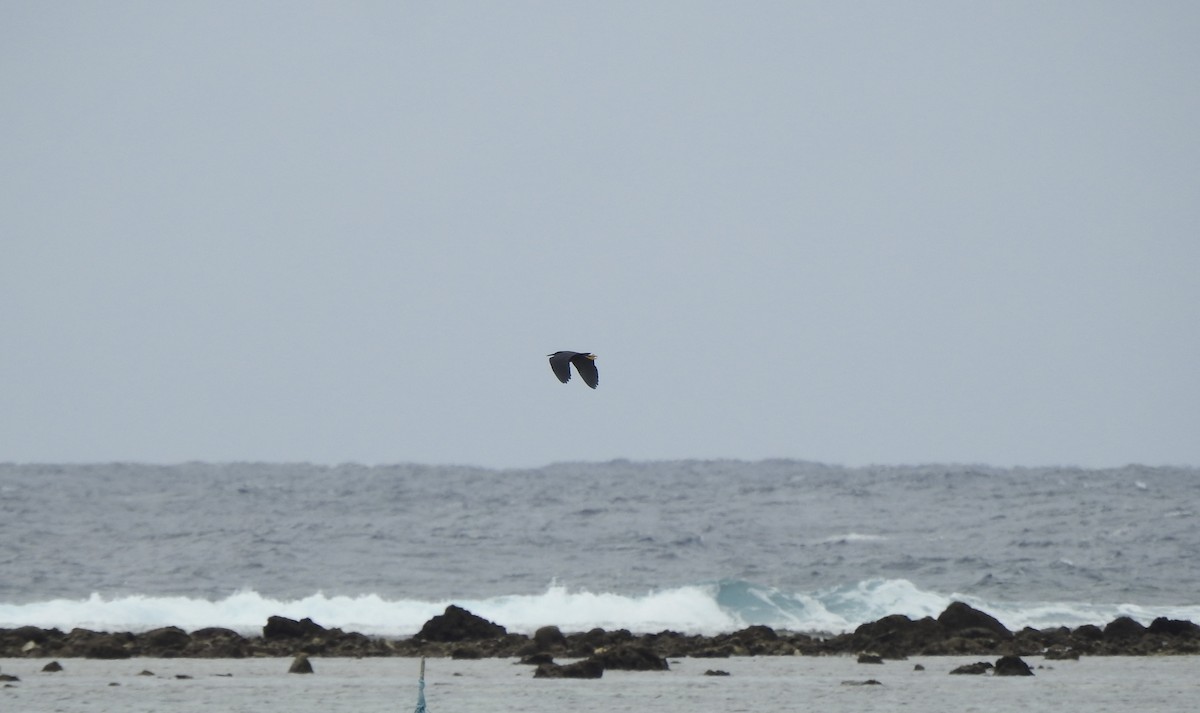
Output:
x,y
760,685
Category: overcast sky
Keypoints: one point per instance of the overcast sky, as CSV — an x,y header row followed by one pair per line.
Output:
x,y
851,232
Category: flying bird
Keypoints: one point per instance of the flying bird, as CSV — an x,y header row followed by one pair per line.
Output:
x,y
561,363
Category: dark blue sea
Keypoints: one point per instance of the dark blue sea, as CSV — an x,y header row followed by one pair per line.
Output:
x,y
692,546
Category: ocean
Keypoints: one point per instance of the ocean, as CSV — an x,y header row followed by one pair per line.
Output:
x,y
691,546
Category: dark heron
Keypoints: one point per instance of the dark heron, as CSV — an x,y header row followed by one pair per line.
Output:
x,y
561,363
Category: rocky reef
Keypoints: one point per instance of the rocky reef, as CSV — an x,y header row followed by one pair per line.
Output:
x,y
959,630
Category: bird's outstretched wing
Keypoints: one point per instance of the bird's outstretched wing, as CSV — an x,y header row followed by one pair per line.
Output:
x,y
560,362
587,370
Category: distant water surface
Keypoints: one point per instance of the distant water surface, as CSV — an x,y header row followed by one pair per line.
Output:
x,y
691,545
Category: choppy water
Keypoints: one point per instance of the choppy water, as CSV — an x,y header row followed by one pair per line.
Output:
x,y
698,546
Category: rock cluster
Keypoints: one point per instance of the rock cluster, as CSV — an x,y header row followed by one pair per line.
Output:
x,y
959,630
623,657
1005,666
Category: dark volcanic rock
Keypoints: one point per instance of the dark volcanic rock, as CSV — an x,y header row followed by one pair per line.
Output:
x,y
588,668
716,672
107,652
1174,627
897,636
279,627
963,620
959,631
597,638
301,664
1123,628
631,657
108,648
549,637
163,642
973,669
458,624
870,658
215,632
755,640
758,632
25,634
216,643
1012,666
94,645
52,667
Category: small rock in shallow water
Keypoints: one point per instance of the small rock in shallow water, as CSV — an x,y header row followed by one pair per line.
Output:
x,y
301,664
973,669
716,672
631,657
52,667
868,682
588,668
1012,666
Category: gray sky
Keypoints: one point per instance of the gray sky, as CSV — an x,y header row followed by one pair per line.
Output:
x,y
889,232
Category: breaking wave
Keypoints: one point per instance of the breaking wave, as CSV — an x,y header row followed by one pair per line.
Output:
x,y
707,609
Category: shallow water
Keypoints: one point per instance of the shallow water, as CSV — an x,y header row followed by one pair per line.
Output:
x,y
762,685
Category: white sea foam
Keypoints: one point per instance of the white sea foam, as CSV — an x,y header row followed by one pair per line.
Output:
x,y
691,609
700,609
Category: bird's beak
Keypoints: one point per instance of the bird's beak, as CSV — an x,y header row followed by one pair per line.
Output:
x,y
592,357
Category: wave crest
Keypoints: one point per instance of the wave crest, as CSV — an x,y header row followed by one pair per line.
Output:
x,y
705,609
